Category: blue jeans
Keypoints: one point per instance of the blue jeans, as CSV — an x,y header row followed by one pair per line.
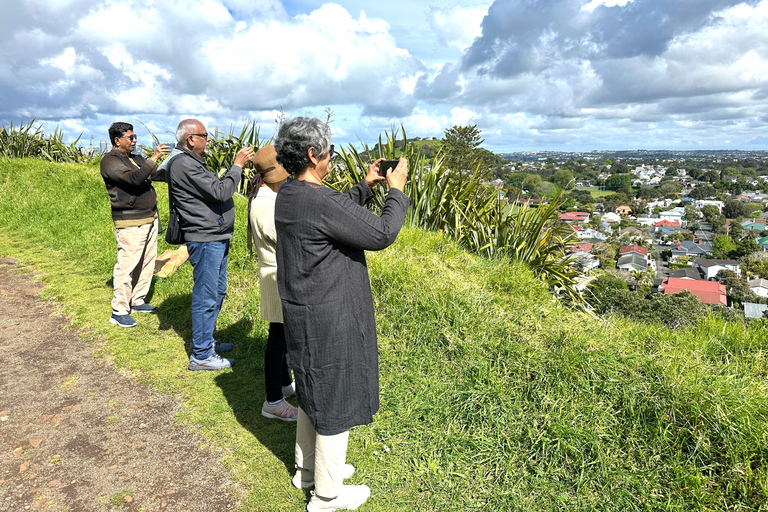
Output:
x,y
209,272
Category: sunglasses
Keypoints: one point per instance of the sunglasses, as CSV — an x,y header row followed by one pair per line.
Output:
x,y
203,135
130,137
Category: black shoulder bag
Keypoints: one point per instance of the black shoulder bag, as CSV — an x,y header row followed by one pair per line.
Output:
x,y
173,234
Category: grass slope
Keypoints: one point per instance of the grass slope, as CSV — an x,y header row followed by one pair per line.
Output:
x,y
494,397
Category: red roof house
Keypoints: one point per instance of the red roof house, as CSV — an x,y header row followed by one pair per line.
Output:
x,y
574,216
639,249
708,292
667,224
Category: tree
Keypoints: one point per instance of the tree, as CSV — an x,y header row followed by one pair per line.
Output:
x,y
563,179
745,247
606,254
531,182
735,209
709,211
722,247
460,146
691,214
617,181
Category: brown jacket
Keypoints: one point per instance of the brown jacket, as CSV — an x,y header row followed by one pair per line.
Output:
x,y
129,186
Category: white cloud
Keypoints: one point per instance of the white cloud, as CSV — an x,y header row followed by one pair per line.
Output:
x,y
457,26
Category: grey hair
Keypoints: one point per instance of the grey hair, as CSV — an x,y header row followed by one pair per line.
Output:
x,y
185,128
295,137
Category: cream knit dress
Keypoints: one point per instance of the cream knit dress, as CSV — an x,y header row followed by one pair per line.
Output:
x,y
265,239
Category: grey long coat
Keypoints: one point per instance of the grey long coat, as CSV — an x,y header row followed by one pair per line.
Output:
x,y
322,278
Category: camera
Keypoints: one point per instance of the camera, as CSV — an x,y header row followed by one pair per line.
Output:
x,y
387,165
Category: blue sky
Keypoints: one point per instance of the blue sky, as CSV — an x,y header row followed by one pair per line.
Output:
x,y
569,75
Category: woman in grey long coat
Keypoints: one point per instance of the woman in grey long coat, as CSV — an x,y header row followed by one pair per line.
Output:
x,y
327,305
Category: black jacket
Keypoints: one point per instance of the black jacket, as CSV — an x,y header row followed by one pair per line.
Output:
x,y
130,190
203,200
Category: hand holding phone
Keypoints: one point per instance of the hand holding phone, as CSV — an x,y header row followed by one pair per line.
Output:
x,y
386,166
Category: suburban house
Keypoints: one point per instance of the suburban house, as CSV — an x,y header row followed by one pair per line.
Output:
x,y
647,220
673,215
710,268
574,217
752,310
763,242
584,247
623,210
634,257
699,204
708,292
686,273
759,287
589,233
754,225
683,248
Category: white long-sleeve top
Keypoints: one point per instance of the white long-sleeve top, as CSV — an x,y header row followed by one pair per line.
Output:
x,y
265,240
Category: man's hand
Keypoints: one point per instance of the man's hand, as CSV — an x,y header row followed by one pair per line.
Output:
x,y
373,177
396,178
160,150
243,157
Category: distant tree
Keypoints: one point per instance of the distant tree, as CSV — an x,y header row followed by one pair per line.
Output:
x,y
581,196
709,211
531,182
460,145
563,179
711,176
735,209
669,189
619,168
703,192
738,290
691,214
722,247
606,255
745,247
755,264
618,181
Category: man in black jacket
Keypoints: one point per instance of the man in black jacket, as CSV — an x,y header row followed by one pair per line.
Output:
x,y
128,178
204,204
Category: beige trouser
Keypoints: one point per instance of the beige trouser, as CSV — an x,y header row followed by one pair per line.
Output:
x,y
323,455
132,275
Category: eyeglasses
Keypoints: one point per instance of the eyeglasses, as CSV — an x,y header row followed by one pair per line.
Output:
x,y
330,151
130,137
203,135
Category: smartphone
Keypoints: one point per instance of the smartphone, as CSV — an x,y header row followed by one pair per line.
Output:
x,y
387,165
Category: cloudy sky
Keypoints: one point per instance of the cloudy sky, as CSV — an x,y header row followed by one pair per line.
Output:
x,y
569,75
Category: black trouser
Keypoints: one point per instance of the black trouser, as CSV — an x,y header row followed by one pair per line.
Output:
x,y
276,373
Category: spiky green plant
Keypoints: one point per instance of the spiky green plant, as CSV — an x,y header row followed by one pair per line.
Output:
x,y
468,211
30,141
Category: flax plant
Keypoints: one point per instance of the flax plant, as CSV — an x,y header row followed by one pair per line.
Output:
x,y
30,141
475,215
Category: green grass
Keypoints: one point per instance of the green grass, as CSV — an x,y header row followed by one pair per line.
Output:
x,y
493,395
597,193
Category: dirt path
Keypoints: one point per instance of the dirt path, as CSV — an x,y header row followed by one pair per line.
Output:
x,y
76,435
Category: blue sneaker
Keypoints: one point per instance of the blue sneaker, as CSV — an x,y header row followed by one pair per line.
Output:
x,y
144,308
222,347
215,362
122,320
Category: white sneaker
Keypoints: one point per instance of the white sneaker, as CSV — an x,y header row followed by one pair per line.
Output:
x,y
347,470
350,497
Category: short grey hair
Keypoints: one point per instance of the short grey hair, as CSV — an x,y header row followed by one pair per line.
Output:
x,y
185,128
295,137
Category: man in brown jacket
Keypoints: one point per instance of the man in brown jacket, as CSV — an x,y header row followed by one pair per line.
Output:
x,y
128,178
